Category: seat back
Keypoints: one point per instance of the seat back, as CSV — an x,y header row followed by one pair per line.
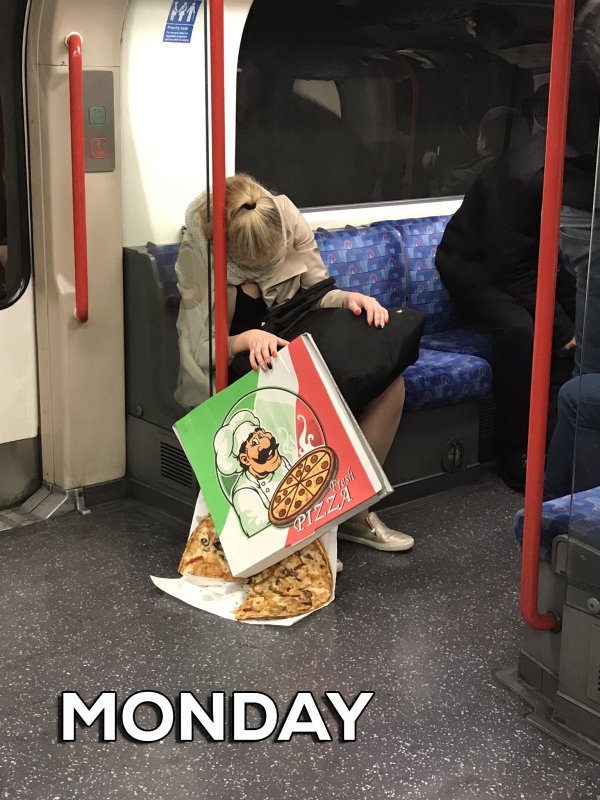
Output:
x,y
425,290
366,260
165,256
151,341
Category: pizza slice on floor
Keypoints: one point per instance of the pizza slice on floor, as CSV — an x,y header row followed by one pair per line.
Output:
x,y
298,584
203,556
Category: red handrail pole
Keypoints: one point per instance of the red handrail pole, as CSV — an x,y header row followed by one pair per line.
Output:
x,y
562,37
73,42
217,101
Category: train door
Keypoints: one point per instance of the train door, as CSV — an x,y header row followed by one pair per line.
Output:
x,y
79,364
19,443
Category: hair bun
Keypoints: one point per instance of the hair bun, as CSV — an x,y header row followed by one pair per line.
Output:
x,y
249,206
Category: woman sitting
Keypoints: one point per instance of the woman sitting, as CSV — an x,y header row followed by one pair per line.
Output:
x,y
272,257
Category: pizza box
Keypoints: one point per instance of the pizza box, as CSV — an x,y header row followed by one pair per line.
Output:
x,y
279,458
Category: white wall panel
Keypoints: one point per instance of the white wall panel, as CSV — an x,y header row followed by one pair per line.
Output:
x,y
164,118
365,215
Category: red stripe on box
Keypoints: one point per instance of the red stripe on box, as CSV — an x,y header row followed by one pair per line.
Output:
x,y
361,489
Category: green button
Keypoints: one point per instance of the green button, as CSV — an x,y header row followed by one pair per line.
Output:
x,y
97,115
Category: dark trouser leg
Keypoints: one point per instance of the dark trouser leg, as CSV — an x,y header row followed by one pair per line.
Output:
x,y
574,454
511,327
560,372
575,232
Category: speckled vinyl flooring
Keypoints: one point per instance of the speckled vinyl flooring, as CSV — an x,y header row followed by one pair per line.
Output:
x,y
423,630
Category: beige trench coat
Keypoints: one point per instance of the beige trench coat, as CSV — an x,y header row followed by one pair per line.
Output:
x,y
302,267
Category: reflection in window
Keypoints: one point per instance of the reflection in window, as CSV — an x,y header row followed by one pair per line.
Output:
x,y
361,102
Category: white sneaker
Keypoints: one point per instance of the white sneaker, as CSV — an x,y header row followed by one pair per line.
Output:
x,y
375,533
339,566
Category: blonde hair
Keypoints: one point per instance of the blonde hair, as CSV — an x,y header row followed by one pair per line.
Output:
x,y
255,233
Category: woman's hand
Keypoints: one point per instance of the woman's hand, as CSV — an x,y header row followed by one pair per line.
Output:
x,y
375,312
566,349
261,346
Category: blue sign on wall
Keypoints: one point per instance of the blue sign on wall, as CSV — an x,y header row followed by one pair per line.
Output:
x,y
180,22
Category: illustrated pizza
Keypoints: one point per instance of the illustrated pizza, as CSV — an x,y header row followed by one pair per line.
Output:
x,y
203,556
303,486
300,583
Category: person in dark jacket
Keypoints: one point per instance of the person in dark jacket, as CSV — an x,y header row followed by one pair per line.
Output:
x,y
577,212
487,260
500,129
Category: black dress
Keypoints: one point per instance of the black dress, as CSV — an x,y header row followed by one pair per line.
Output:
x,y
249,313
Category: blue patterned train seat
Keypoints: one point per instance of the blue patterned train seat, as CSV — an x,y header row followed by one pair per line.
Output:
x,y
365,260
375,261
425,290
578,515
466,340
444,379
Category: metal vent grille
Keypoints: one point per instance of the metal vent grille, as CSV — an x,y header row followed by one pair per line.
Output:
x,y
174,466
487,413
593,683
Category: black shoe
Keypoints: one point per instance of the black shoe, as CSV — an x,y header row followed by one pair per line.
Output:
x,y
512,470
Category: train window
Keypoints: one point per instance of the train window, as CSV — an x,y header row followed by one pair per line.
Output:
x,y
371,101
15,267
3,221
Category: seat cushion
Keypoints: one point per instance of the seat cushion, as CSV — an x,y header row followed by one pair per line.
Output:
x,y
425,290
582,519
443,379
365,260
460,340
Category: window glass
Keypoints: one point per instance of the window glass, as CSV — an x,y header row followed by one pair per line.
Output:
x,y
15,261
356,102
3,221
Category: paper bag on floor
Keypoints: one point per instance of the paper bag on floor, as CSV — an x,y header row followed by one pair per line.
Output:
x,y
219,593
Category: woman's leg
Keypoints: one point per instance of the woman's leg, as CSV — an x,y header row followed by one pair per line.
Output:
x,y
379,423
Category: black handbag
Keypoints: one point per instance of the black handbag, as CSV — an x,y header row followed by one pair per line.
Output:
x,y
281,319
363,360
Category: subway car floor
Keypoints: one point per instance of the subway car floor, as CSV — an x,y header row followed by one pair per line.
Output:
x,y
424,630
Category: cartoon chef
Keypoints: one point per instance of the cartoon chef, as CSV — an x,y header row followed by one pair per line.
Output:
x,y
243,446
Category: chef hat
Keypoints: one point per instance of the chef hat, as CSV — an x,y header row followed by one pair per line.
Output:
x,y
229,440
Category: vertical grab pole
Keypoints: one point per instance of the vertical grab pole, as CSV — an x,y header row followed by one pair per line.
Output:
x,y
73,42
217,97
560,67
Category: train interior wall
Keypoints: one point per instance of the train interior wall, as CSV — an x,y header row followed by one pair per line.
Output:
x,y
62,377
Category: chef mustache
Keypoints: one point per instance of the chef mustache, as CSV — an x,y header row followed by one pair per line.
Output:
x,y
262,457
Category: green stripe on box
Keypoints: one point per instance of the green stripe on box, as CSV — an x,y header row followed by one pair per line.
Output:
x,y
196,433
